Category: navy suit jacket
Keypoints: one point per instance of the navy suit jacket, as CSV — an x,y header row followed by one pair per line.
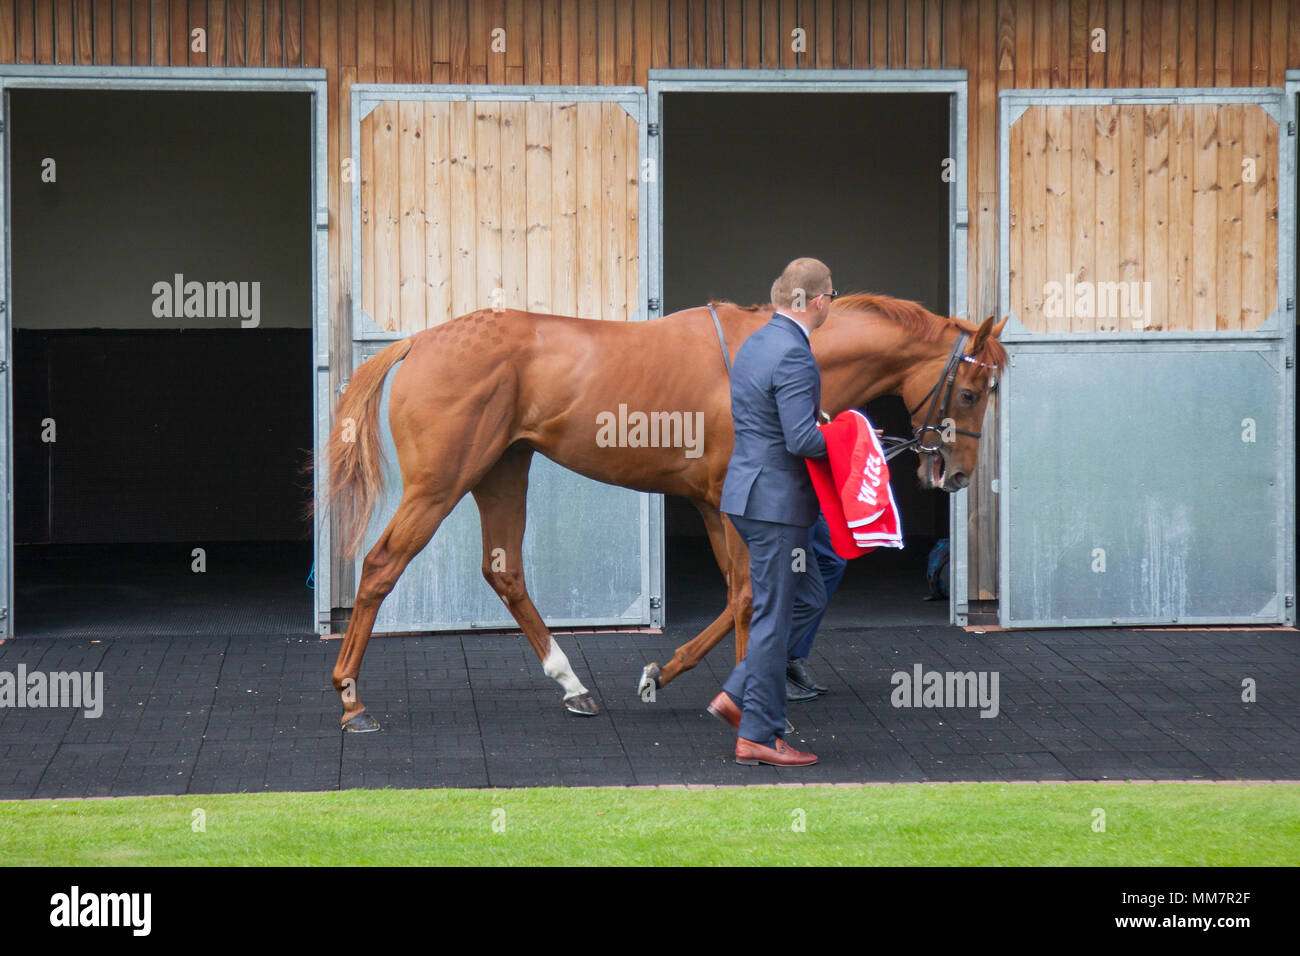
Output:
x,y
776,392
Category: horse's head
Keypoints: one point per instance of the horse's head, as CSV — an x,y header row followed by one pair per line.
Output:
x,y
946,399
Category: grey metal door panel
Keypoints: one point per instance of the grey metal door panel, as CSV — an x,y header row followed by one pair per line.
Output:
x,y
585,555
1142,491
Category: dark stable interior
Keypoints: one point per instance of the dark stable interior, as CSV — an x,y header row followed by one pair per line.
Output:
x,y
753,180
171,432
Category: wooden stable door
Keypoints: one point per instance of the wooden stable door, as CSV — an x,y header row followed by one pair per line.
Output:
x,y
468,198
1147,422
486,203
1180,199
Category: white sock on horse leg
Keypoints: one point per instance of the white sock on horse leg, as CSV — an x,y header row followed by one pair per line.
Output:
x,y
556,666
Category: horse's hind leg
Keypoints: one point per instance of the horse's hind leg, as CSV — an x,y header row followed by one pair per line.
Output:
x,y
692,652
418,516
502,498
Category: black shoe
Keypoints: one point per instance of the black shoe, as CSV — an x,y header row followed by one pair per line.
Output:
x,y
797,692
797,673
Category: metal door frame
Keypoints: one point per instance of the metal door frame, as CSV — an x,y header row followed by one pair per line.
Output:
x,y
193,79
368,337
952,82
1279,328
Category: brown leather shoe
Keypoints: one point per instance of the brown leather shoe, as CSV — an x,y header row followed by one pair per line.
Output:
x,y
723,708
782,755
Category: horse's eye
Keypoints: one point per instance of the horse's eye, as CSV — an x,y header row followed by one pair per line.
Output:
x,y
967,397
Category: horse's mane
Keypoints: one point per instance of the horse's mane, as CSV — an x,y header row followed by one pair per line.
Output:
x,y
918,321
912,317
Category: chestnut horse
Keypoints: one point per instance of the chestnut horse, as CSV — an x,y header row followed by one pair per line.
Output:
x,y
474,398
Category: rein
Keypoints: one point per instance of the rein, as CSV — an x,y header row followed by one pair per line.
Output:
x,y
940,395
722,339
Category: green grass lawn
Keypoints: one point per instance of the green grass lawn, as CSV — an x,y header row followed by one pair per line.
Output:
x,y
1163,824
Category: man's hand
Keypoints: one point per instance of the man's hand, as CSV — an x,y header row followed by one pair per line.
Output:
x,y
825,420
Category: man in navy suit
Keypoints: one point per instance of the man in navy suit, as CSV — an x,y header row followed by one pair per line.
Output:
x,y
768,496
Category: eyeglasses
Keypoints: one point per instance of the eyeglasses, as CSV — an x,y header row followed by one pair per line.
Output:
x,y
830,295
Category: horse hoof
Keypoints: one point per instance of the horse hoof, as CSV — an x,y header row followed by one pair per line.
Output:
x,y
649,683
583,705
361,723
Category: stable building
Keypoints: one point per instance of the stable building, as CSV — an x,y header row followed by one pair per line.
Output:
x,y
213,213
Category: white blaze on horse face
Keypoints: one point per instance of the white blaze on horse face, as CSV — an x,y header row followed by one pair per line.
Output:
x,y
556,666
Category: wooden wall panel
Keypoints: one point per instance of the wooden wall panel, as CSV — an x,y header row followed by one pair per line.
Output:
x,y
514,204
487,204
472,205
538,202
1174,214
564,207
411,224
437,210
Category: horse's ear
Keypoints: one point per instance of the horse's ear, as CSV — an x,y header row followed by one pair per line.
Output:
x,y
981,335
997,329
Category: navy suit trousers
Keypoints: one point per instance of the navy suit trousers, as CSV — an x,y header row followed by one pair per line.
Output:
x,y
757,684
832,568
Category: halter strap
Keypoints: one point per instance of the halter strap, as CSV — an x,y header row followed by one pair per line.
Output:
x,y
939,396
722,339
943,387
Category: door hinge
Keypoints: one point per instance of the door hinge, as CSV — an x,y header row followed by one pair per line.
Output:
x,y
1290,361
1290,303
4,366
4,613
653,305
1290,127
656,603
1289,601
652,129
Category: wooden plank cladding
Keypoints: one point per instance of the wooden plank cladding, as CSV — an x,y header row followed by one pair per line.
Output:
x,y
1143,217
479,204
1003,44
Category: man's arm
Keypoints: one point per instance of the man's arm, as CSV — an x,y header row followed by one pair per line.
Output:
x,y
795,384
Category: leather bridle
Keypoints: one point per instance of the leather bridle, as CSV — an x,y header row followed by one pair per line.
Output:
x,y
940,395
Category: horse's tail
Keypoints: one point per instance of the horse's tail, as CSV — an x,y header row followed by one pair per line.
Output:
x,y
356,467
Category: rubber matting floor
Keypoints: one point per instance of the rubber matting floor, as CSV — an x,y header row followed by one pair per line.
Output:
x,y
205,713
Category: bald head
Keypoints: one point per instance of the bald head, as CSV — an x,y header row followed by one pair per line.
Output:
x,y
802,280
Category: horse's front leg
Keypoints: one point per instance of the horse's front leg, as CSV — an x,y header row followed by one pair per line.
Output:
x,y
502,499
